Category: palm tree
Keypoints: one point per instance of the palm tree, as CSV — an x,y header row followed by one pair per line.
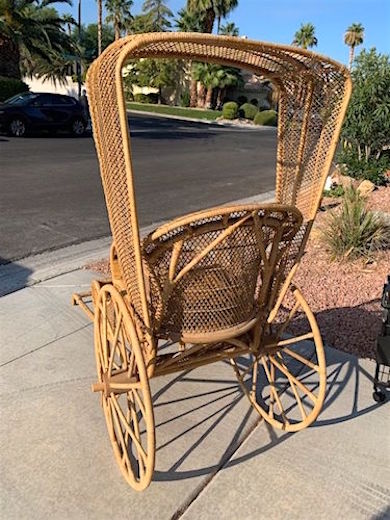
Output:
x,y
210,10
223,8
353,37
33,37
305,36
99,25
189,21
228,77
158,15
119,14
230,29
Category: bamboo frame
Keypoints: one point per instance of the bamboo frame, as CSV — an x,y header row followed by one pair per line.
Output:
x,y
215,281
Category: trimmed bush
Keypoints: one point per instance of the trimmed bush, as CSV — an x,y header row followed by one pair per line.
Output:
x,y
241,100
248,111
11,86
230,110
353,231
141,98
266,118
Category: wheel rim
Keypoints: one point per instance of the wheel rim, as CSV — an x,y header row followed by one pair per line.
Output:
x,y
17,127
78,127
286,384
129,416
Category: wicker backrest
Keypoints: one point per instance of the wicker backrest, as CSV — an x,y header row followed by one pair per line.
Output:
x,y
217,268
314,94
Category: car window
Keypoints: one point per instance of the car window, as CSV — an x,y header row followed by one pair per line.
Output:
x,y
20,99
42,100
63,100
67,100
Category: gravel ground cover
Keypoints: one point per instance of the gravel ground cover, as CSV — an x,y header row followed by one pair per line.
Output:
x,y
345,297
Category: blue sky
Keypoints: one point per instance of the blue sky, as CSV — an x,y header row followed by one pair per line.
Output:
x,y
277,20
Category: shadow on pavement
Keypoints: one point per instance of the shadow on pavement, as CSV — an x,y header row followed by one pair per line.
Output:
x,y
349,385
12,276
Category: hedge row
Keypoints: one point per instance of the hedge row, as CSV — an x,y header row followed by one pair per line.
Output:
x,y
249,111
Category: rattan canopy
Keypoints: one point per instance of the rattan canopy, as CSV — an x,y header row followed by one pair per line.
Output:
x,y
314,94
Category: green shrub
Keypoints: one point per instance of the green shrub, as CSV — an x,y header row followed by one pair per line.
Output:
x,y
141,98
353,231
230,110
248,111
372,169
366,129
241,100
11,86
185,98
266,118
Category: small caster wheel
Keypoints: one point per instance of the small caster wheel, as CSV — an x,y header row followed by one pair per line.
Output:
x,y
378,396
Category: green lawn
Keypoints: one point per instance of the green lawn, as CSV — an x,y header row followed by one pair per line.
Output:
x,y
210,115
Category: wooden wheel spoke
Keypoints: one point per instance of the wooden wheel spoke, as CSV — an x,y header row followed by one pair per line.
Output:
x,y
295,339
271,398
122,348
118,429
115,343
254,377
121,416
131,363
291,314
296,394
301,359
299,383
133,414
273,391
243,373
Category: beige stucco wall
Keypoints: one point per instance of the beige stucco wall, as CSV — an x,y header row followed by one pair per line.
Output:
x,y
70,88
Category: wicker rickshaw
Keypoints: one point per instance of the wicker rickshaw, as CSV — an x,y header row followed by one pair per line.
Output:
x,y
218,283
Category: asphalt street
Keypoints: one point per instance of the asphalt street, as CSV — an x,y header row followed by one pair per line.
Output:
x,y
51,195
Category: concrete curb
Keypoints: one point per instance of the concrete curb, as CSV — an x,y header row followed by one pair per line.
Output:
x,y
38,268
205,121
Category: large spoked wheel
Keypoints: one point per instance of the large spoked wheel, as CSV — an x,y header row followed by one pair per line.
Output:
x,y
127,406
286,382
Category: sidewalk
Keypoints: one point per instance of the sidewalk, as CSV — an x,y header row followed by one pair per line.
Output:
x,y
215,459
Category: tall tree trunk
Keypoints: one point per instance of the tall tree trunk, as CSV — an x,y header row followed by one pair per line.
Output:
x,y
193,93
99,26
220,96
9,58
201,96
351,56
209,97
117,31
209,21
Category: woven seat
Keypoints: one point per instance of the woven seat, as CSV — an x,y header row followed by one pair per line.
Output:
x,y
207,269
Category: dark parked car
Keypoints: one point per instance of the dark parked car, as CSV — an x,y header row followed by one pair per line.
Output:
x,y
31,111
